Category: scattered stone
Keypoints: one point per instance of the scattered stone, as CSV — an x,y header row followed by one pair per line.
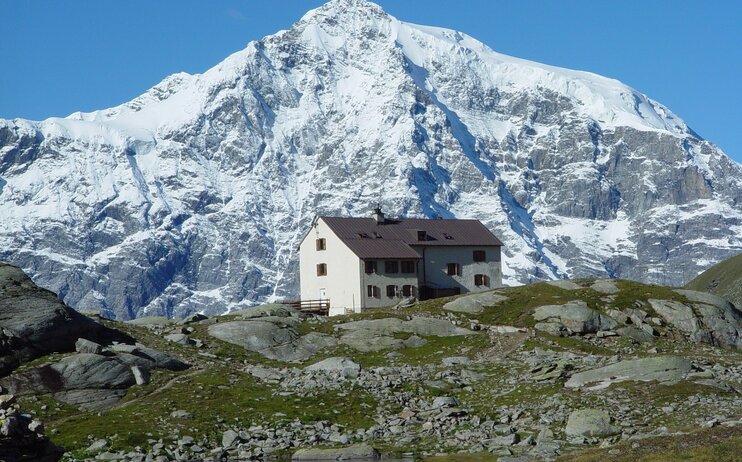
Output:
x,y
181,414
97,445
445,401
637,335
230,438
180,339
456,361
342,365
590,422
141,375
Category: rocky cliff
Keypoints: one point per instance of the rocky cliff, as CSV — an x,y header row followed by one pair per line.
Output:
x,y
193,196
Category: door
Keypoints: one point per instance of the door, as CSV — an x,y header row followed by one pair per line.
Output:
x,y
323,294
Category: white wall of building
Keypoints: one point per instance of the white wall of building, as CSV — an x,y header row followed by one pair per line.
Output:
x,y
381,279
342,284
438,257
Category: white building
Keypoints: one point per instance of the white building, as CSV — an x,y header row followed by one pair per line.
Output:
x,y
359,263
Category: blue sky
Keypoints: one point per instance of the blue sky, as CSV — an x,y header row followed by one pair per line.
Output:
x,y
62,56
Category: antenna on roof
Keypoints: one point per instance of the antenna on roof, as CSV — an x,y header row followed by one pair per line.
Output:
x,y
378,215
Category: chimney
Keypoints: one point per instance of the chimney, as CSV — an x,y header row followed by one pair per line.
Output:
x,y
378,215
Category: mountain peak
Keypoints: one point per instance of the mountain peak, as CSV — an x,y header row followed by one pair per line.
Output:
x,y
194,195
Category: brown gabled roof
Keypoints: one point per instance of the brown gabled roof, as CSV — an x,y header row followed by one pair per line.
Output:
x,y
392,239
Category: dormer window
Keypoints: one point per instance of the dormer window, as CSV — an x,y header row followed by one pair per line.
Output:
x,y
447,236
364,236
422,236
377,235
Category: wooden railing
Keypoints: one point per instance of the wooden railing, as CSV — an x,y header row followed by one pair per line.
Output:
x,y
317,307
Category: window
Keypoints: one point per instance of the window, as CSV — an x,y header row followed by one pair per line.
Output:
x,y
447,236
453,269
321,244
422,236
372,291
481,280
392,291
479,255
408,290
378,236
391,266
322,269
408,267
370,266
364,236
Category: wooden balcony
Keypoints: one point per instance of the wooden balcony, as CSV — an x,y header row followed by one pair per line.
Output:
x,y
315,307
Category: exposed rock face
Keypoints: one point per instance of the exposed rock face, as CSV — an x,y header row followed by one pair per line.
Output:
x,y
271,337
193,196
34,322
708,318
663,369
574,316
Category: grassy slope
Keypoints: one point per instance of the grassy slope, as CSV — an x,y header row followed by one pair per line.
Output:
x,y
723,279
219,395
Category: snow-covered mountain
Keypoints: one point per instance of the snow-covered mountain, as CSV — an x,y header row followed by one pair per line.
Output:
x,y
194,195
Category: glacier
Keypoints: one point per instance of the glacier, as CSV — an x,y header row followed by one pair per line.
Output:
x,y
193,196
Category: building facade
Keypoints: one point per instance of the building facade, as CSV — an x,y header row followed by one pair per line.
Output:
x,y
361,263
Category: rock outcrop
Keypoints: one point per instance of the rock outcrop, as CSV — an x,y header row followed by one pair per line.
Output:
x,y
34,322
662,369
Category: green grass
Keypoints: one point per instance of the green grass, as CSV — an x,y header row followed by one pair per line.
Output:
x,y
708,445
215,402
723,279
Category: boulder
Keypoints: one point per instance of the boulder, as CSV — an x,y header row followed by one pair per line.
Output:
x,y
355,452
564,284
342,365
77,372
86,346
590,422
474,303
180,339
605,286
34,322
663,369
575,316
271,338
195,317
154,358
635,334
